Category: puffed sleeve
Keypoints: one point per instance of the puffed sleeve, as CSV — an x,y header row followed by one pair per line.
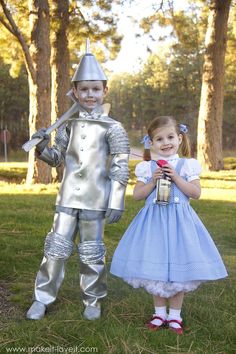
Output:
x,y
192,169
143,172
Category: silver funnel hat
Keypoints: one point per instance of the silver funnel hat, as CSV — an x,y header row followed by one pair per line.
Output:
x,y
89,69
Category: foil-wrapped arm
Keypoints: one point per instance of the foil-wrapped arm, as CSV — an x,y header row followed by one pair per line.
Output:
x,y
54,155
119,172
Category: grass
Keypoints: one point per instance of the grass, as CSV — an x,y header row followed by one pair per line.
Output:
x,y
13,170
209,313
17,170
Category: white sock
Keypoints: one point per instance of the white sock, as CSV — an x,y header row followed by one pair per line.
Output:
x,y
174,315
160,312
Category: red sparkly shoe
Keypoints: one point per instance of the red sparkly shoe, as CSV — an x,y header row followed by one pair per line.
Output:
x,y
176,330
154,327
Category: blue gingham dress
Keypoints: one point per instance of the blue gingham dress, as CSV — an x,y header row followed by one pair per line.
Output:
x,y
166,248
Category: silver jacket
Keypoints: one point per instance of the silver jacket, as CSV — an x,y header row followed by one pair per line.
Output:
x,y
95,149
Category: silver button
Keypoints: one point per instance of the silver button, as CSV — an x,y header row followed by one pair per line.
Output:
x,y
81,149
80,174
176,199
83,136
83,125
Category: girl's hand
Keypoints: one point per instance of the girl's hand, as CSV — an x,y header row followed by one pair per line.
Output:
x,y
191,189
157,175
169,171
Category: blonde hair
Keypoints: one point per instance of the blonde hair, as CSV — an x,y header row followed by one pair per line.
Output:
x,y
160,122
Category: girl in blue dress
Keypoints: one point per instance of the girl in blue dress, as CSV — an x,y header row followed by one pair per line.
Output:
x,y
166,249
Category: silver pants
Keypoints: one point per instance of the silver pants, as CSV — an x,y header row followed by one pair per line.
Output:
x,y
58,247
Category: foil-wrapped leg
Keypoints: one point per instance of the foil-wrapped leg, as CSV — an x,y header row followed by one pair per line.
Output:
x,y
49,279
58,248
91,249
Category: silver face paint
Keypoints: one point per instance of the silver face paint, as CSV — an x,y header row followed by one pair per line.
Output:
x,y
90,94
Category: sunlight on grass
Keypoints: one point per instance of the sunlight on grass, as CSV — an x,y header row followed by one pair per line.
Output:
x,y
227,175
14,188
220,185
227,195
9,165
13,169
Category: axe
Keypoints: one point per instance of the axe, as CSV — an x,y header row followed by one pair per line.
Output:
x,y
33,142
74,108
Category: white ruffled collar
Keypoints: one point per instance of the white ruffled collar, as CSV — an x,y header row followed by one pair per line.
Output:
x,y
170,158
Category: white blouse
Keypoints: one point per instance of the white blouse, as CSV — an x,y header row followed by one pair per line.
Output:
x,y
190,170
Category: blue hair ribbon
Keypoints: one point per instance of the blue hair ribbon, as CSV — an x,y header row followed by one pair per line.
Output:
x,y
183,128
146,141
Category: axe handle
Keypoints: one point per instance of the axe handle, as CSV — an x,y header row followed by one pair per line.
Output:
x,y
35,141
30,144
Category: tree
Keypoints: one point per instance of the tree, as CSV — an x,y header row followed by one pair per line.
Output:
x,y
176,75
212,93
37,62
60,62
36,49
60,59
229,126
13,105
188,28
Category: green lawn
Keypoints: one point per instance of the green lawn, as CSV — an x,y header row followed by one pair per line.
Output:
x,y
209,313
13,170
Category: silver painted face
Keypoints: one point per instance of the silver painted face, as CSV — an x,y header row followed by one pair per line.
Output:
x,y
90,94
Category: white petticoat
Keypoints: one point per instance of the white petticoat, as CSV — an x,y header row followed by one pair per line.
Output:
x,y
161,288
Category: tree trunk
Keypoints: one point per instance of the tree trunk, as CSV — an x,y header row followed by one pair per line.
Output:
x,y
212,93
59,62
39,86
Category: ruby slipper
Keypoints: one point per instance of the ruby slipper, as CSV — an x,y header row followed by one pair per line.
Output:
x,y
154,327
176,330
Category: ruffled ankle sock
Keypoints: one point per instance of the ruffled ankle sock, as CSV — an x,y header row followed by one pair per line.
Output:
x,y
174,315
160,312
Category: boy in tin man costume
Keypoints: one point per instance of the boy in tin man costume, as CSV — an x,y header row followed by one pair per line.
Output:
x,y
95,149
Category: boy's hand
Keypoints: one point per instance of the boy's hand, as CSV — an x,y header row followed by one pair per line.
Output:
x,y
41,134
113,215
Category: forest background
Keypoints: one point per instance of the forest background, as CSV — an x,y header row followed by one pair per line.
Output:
x,y
168,83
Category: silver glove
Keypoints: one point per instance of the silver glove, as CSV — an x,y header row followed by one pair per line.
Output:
x,y
113,215
41,133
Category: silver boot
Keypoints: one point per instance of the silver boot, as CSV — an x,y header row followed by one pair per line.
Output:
x,y
92,312
36,311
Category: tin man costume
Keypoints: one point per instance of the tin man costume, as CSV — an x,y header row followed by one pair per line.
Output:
x,y
95,150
